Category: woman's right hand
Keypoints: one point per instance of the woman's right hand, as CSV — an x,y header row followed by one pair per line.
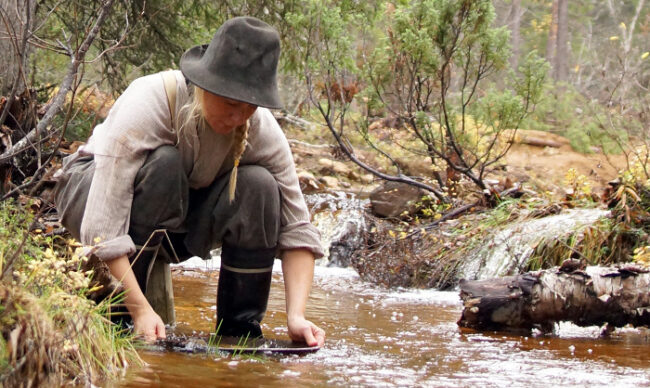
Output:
x,y
148,324
145,321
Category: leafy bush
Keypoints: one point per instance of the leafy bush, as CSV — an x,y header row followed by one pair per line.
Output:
x,y
571,115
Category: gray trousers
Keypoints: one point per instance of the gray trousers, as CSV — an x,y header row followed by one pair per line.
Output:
x,y
197,220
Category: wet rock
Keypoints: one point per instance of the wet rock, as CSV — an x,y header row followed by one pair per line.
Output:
x,y
333,166
341,220
392,199
308,182
345,243
506,251
330,181
367,178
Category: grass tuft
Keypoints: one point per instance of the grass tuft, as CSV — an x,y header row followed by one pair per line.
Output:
x,y
51,333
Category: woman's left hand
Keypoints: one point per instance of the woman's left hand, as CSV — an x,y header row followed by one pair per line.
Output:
x,y
301,329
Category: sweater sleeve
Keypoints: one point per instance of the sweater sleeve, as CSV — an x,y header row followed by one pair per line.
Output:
x,y
137,123
268,147
105,222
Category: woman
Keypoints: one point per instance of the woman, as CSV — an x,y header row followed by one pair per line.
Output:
x,y
213,170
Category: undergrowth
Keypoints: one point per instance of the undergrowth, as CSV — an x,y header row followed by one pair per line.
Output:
x,y
571,115
401,254
50,332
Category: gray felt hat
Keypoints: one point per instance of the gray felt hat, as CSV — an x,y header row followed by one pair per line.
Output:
x,y
240,62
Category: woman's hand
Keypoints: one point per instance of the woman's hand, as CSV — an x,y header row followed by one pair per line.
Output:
x,y
301,329
148,324
145,321
298,270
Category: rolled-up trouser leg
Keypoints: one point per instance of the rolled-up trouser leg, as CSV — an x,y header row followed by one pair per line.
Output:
x,y
251,221
248,229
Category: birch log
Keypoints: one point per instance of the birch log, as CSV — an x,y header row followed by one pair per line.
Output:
x,y
593,296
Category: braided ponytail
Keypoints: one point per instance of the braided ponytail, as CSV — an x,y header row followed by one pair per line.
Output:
x,y
240,145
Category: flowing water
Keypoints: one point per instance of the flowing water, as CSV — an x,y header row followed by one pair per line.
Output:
x,y
377,337
340,220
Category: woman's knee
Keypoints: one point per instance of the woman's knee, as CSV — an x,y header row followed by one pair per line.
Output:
x,y
256,221
160,191
162,166
258,181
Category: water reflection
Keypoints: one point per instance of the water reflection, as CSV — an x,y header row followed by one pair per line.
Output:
x,y
383,338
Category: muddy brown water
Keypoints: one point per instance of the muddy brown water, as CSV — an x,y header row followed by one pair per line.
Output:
x,y
378,337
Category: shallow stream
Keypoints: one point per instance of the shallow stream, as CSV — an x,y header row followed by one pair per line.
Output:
x,y
377,337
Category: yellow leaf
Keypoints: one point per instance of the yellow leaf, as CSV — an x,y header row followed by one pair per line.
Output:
x,y
622,25
645,55
612,38
576,69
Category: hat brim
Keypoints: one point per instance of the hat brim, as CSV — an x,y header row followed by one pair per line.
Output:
x,y
221,85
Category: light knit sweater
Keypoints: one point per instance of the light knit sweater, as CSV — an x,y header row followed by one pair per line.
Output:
x,y
139,122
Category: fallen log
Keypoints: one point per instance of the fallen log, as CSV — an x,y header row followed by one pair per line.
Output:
x,y
586,297
539,142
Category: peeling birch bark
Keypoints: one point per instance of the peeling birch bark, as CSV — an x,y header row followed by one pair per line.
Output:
x,y
594,296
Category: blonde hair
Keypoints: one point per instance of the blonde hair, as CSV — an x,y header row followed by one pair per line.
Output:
x,y
192,112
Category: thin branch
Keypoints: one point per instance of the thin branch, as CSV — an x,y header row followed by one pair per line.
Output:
x,y
20,53
630,34
349,153
66,85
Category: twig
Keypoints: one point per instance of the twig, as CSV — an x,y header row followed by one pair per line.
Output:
x,y
66,85
452,214
20,52
41,130
458,211
303,143
326,113
298,121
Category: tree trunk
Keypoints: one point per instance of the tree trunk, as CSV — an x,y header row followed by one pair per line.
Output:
x,y
552,34
41,131
515,36
15,15
595,296
561,64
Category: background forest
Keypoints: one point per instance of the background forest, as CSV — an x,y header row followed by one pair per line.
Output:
x,y
429,93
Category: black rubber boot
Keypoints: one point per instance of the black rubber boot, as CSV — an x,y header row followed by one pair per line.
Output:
x,y
243,293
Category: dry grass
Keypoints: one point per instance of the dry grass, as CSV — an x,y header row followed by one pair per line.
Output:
x,y
51,333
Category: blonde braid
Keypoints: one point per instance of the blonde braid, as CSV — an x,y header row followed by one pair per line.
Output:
x,y
240,145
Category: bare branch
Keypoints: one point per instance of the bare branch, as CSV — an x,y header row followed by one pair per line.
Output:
x,y
41,129
20,53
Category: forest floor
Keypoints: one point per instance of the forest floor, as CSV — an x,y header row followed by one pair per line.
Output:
x,y
546,167
431,259
537,167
